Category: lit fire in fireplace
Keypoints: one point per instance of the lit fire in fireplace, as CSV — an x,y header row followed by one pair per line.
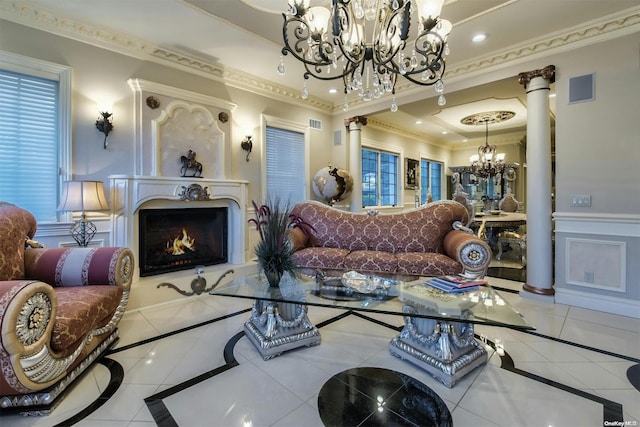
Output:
x,y
180,244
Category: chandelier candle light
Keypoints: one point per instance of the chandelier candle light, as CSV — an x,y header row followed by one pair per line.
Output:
x,y
366,43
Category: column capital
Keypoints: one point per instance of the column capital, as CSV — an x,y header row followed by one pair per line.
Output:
x,y
548,72
359,120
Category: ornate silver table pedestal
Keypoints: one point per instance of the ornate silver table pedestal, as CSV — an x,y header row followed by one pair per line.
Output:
x,y
277,327
446,350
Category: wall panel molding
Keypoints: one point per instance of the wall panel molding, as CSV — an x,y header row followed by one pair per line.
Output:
x,y
604,224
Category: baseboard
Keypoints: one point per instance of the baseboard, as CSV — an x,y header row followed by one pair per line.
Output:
x,y
607,304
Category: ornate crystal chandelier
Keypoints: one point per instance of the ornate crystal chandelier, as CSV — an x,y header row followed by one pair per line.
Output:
x,y
487,162
366,43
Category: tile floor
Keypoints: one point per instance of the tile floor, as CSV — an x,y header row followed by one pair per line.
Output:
x,y
572,371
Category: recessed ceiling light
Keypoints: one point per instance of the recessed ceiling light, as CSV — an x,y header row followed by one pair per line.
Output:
x,y
479,38
465,140
444,132
333,90
418,122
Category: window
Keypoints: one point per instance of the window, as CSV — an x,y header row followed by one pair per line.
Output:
x,y
34,133
285,153
430,179
379,178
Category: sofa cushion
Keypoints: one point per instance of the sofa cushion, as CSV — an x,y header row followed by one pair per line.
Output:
x,y
426,264
16,224
80,310
371,261
324,258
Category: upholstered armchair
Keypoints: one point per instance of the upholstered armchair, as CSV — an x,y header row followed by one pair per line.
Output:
x,y
59,309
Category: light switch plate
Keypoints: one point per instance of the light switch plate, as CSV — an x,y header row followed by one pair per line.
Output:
x,y
581,200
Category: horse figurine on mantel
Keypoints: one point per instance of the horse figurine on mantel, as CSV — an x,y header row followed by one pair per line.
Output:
x,y
189,162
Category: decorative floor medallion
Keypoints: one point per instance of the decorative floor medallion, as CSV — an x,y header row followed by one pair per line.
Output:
x,y
380,397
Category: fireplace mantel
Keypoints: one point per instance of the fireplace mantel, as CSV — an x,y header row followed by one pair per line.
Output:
x,y
130,193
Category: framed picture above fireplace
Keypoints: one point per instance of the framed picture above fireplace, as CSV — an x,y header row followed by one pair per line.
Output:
x,y
181,239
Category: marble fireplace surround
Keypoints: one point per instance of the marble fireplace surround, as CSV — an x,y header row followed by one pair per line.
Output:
x,y
129,194
168,123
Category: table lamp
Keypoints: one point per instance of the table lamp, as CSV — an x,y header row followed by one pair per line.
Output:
x,y
83,196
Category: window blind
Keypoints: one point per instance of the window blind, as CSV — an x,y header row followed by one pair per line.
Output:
x,y
285,165
29,143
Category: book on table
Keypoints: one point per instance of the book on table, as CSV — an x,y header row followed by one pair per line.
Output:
x,y
455,284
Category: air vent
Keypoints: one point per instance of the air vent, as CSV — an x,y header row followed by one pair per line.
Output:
x,y
315,124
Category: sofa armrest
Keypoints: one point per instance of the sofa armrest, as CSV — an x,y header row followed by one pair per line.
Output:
x,y
81,266
473,253
27,313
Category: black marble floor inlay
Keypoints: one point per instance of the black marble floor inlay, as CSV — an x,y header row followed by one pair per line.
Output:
x,y
380,397
633,374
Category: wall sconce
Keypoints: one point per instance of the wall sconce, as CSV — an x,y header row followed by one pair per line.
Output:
x,y
83,196
104,125
247,145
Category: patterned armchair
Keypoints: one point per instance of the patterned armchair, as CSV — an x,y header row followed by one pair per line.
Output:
x,y
59,309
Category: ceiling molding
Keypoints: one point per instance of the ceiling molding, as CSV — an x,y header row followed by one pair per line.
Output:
x,y
241,80
126,45
391,128
595,31
607,27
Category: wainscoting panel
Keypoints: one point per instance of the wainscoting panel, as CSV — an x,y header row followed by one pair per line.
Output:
x,y
596,264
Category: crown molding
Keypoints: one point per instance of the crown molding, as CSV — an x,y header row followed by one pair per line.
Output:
x,y
392,128
595,31
27,15
608,27
605,28
239,79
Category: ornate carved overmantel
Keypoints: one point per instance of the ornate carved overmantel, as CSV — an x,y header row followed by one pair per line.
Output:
x,y
176,122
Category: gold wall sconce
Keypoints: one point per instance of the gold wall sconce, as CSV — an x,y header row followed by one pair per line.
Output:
x,y
247,145
104,124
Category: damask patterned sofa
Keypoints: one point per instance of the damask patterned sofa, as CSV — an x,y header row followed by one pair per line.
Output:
x,y
419,242
59,309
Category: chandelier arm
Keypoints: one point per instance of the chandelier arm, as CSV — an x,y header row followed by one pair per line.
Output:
x,y
341,24
432,79
392,28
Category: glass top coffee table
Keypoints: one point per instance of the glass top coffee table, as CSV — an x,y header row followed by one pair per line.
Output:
x,y
438,334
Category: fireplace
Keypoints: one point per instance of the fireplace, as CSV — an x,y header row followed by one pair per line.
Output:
x,y
180,239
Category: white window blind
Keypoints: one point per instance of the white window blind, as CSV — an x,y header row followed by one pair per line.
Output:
x,y
285,165
29,143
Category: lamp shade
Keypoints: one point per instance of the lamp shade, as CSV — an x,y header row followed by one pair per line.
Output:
x,y
83,196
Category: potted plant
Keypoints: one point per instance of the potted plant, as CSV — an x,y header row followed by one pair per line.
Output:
x,y
275,248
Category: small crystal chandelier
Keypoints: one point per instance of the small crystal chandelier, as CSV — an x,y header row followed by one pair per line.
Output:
x,y
366,44
487,162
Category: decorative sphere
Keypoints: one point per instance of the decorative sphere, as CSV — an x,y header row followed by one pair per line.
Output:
x,y
332,184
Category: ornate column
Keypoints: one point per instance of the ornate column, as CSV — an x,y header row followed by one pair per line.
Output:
x,y
538,157
354,126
